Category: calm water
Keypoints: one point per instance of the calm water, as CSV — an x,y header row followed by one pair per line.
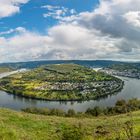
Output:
x,y
131,90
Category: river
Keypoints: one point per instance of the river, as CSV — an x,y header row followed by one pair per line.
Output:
x,y
131,90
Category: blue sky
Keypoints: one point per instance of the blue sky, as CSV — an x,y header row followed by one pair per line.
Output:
x,y
31,14
69,29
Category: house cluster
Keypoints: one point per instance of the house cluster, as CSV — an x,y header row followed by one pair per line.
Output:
x,y
84,88
132,73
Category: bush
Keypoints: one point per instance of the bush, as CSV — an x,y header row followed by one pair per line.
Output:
x,y
71,113
109,111
120,107
133,104
129,130
96,111
57,112
101,131
73,133
45,111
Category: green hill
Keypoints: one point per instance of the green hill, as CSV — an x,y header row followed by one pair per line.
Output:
x,y
22,126
126,67
5,69
61,82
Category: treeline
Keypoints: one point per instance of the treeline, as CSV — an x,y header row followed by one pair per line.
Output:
x,y
120,107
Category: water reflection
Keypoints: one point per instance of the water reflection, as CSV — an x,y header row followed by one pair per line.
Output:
x,y
131,90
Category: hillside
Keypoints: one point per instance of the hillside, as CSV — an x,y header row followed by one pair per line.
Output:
x,y
23,126
5,69
35,64
125,67
131,70
61,82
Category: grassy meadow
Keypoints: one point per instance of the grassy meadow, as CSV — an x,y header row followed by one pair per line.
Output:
x,y
23,126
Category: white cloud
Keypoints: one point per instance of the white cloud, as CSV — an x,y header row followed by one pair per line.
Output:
x,y
133,18
73,11
50,7
62,42
23,46
10,7
58,12
10,31
118,19
107,32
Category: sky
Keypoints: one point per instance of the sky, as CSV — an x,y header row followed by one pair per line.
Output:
x,y
69,30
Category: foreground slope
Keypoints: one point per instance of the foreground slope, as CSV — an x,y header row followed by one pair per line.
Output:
x,y
22,126
61,82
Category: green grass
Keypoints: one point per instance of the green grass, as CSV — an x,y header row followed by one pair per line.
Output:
x,y
22,126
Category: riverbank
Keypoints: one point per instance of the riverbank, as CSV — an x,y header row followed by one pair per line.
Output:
x,y
120,107
114,91
130,90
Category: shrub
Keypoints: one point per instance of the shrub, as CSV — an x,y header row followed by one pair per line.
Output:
x,y
96,111
133,104
57,112
73,133
129,130
121,106
71,113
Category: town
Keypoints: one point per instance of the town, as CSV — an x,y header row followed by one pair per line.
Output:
x,y
131,73
104,87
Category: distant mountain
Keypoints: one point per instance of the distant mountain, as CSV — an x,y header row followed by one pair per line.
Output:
x,y
34,64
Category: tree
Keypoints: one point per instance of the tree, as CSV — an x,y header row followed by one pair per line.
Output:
x,y
96,111
121,106
71,113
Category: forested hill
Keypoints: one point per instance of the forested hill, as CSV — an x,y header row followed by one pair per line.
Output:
x,y
34,64
125,66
